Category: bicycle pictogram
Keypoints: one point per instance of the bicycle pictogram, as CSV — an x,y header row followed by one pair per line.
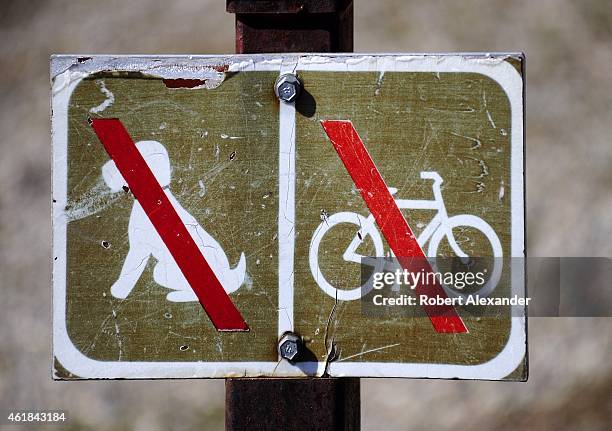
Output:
x,y
441,226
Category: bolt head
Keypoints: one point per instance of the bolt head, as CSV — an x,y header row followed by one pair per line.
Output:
x,y
289,346
287,87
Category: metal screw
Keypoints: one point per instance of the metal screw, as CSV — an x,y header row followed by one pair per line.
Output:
x,y
287,87
289,346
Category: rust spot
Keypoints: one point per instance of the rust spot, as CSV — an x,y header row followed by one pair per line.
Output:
x,y
183,83
221,68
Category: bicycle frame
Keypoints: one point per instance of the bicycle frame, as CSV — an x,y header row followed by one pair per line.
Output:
x,y
437,220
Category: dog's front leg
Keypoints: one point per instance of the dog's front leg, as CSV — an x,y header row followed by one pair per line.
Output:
x,y
135,263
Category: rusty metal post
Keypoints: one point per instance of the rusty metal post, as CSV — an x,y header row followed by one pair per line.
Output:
x,y
292,25
292,404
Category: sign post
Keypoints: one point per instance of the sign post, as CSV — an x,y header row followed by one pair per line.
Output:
x,y
290,222
322,403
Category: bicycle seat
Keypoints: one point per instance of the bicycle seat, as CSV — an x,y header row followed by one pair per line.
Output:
x,y
431,175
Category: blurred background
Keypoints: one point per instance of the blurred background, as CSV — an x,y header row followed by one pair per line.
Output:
x,y
568,44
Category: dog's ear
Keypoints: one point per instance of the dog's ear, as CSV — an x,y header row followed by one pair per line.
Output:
x,y
113,179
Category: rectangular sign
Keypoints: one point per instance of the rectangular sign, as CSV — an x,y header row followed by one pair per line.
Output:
x,y
371,224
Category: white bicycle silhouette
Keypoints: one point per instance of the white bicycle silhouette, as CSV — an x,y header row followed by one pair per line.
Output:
x,y
440,226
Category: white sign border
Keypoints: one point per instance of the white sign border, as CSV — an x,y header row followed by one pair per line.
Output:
x,y
68,71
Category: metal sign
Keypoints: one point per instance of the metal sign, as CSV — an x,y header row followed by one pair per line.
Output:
x,y
204,228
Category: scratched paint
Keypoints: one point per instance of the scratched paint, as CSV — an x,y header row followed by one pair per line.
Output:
x,y
200,138
219,121
410,122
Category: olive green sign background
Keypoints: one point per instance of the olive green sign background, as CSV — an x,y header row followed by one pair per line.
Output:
x,y
457,124
223,149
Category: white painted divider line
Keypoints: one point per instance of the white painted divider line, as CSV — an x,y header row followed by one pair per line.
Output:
x,y
286,208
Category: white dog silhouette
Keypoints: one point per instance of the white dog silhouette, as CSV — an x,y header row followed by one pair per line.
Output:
x,y
145,241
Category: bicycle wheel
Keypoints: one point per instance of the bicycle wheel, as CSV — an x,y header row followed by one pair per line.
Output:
x,y
367,229
467,220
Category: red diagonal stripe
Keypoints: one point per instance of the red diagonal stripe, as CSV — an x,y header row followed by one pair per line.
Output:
x,y
150,195
389,218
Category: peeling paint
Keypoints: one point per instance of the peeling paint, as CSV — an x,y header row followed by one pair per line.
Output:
x,y
192,83
110,99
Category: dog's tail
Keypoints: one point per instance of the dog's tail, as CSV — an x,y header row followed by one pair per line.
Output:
x,y
240,271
